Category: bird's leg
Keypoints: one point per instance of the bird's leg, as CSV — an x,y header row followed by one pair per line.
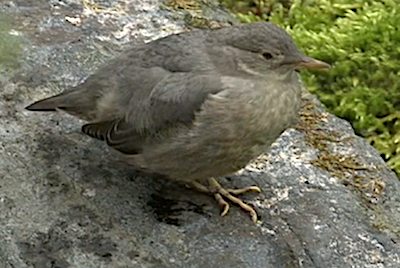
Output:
x,y
219,193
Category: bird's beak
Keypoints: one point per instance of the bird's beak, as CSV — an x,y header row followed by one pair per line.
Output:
x,y
310,63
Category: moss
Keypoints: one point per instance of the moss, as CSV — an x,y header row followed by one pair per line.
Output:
x,y
202,14
10,49
365,180
344,167
184,4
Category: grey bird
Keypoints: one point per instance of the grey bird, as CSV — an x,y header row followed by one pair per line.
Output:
x,y
194,106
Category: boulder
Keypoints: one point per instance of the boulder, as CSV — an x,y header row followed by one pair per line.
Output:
x,y
328,198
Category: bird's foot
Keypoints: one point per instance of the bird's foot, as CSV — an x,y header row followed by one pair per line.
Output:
x,y
219,193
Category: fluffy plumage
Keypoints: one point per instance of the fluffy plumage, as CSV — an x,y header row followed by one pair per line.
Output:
x,y
193,105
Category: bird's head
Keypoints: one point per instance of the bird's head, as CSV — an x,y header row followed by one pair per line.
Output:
x,y
262,47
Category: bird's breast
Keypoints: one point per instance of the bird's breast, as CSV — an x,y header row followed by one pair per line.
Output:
x,y
231,128
249,120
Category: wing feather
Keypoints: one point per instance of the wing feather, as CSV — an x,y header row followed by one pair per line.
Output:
x,y
173,101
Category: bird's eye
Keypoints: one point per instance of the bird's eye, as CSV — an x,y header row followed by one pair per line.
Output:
x,y
267,55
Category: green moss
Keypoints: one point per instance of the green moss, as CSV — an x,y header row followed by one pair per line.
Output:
x,y
362,41
201,14
10,49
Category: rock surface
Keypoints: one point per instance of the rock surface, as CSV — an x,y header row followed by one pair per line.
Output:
x,y
328,199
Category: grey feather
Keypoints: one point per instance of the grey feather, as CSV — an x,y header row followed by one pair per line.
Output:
x,y
173,101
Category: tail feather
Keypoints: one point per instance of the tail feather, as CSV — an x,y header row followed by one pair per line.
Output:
x,y
74,101
48,104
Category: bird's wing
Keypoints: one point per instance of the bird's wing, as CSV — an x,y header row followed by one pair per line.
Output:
x,y
173,101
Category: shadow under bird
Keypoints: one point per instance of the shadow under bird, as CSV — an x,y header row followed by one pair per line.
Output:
x,y
194,106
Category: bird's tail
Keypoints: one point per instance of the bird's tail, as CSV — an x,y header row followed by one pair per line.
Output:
x,y
71,101
49,104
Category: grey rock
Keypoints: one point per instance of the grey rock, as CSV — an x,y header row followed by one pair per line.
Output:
x,y
65,201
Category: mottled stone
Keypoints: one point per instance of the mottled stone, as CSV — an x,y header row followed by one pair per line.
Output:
x,y
328,199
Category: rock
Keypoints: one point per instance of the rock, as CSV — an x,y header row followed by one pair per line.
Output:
x,y
329,200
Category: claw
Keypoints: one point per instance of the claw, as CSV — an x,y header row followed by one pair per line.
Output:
x,y
240,203
244,190
221,194
222,203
